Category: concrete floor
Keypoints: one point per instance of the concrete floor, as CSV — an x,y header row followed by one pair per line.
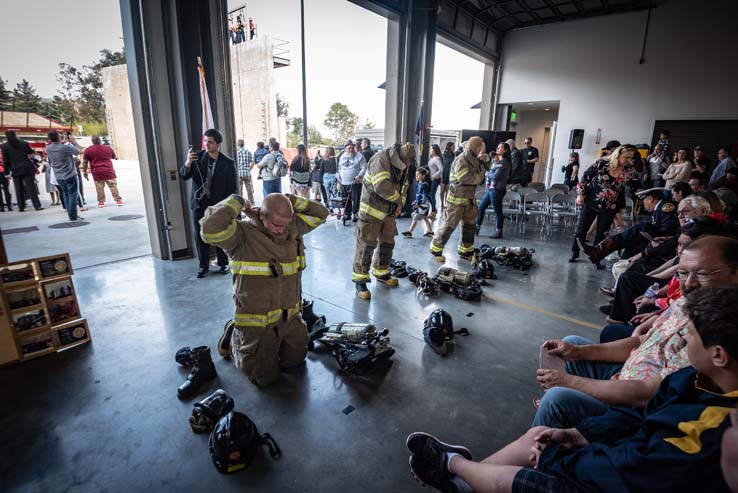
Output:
x,y
100,241
105,416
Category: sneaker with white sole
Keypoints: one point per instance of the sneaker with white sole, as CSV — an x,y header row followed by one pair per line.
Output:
x,y
101,204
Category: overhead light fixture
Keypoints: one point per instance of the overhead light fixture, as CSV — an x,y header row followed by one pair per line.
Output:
x,y
531,104
548,109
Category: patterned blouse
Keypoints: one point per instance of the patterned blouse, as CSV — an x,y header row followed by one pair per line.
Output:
x,y
603,192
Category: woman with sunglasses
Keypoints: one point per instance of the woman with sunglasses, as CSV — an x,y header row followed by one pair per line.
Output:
x,y
601,194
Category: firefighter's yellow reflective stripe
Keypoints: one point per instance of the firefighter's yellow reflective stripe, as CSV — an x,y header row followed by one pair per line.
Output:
x,y
359,277
375,213
220,236
244,268
465,250
379,272
300,204
462,173
436,249
452,199
264,319
382,175
311,221
394,196
250,268
234,204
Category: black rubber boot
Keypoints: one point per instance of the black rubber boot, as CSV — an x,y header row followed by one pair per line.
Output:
x,y
308,315
203,371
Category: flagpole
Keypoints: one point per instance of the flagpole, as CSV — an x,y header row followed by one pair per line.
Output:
x,y
304,83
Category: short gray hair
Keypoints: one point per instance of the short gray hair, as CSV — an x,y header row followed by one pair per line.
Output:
x,y
697,202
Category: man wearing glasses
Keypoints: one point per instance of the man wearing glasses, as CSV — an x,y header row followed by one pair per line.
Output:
x,y
628,372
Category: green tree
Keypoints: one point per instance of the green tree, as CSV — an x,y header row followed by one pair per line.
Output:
x,y
283,107
315,137
341,121
90,103
368,124
6,100
25,97
294,131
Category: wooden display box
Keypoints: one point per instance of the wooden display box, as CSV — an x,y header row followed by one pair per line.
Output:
x,y
39,311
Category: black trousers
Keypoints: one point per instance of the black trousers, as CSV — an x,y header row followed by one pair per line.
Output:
x,y
630,286
203,249
354,199
5,193
25,186
586,218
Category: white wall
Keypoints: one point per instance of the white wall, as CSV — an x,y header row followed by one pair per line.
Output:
x,y
591,67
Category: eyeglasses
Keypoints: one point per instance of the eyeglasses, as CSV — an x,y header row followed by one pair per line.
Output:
x,y
685,211
701,276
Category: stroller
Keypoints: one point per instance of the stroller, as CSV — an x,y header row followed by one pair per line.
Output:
x,y
337,199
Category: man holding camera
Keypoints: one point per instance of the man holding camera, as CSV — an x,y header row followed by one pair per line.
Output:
x,y
214,178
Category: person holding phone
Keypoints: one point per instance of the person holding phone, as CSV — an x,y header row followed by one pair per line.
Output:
x,y
214,179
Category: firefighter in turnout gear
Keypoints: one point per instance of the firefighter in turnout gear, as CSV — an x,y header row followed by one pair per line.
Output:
x,y
382,198
267,257
467,171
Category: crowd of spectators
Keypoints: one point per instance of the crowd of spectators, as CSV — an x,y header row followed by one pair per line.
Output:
x,y
651,405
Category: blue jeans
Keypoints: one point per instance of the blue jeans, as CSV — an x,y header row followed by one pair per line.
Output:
x,y
434,189
69,192
494,197
615,332
562,407
329,182
272,186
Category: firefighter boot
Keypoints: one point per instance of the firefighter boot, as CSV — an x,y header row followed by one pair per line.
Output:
x,y
203,370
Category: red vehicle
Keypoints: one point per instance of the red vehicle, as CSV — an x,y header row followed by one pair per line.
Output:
x,y
30,127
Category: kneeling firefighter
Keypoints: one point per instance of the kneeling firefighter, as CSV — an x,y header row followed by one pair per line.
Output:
x,y
467,171
267,258
382,198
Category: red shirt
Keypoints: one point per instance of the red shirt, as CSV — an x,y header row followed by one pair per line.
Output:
x,y
100,158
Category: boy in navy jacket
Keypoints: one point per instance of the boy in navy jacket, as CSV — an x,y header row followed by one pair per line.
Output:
x,y
673,444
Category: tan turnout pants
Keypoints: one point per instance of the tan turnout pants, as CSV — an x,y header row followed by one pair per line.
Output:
x,y
370,234
100,189
454,214
246,180
262,352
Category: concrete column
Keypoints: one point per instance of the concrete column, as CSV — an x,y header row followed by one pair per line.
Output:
x,y
430,64
488,96
395,80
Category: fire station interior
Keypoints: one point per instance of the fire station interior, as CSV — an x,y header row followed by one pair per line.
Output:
x,y
105,416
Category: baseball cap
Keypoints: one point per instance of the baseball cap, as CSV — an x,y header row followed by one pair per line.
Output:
x,y
349,143
612,144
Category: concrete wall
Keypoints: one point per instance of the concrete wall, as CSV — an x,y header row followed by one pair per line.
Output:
x,y
254,93
591,67
118,111
533,124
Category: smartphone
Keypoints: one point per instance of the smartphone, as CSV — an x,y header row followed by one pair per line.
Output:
x,y
647,236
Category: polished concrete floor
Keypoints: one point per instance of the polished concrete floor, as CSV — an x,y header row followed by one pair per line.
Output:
x,y
105,416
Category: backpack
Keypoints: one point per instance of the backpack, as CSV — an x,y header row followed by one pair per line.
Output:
x,y
281,166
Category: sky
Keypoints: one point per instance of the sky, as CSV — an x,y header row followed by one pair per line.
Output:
x,y
345,56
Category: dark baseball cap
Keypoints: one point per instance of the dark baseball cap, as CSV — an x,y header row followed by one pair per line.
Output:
x,y
612,144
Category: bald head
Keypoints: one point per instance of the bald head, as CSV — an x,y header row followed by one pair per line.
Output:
x,y
511,143
96,140
276,204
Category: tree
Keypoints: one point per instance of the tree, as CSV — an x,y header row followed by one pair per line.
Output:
x,y
314,136
283,107
341,121
368,124
294,132
25,97
6,100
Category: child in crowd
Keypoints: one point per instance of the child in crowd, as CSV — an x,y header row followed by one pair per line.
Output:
x,y
421,206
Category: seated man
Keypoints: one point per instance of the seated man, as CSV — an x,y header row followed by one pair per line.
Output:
x,y
627,372
664,223
729,453
267,257
629,291
671,445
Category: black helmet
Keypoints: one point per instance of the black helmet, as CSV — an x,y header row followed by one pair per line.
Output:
x,y
234,441
208,411
441,319
485,270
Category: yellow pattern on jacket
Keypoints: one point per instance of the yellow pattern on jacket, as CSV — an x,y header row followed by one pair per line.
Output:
x,y
267,268
383,187
467,171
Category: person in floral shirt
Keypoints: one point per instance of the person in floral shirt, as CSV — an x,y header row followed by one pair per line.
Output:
x,y
601,194
628,372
